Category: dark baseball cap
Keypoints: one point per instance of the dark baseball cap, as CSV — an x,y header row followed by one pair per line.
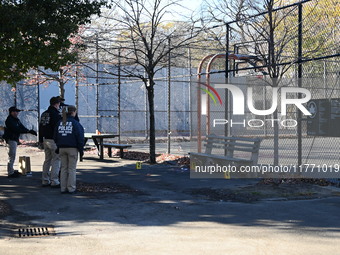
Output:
x,y
13,109
54,100
60,98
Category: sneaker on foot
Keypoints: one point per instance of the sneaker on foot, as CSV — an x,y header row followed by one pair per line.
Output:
x,y
14,175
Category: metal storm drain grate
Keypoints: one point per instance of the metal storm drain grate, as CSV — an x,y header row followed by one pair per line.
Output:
x,y
36,232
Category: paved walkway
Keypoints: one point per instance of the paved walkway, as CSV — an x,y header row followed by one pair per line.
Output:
x,y
158,215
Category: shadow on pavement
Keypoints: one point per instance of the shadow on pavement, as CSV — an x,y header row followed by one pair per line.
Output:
x,y
161,198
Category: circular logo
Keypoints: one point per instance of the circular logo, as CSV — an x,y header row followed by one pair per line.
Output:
x,y
312,108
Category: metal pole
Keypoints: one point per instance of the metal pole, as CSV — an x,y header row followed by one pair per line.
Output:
x,y
97,83
226,91
169,96
38,103
324,79
265,107
190,74
77,89
299,127
119,87
146,113
199,114
236,50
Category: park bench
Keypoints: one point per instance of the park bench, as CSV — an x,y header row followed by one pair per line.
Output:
x,y
247,148
121,147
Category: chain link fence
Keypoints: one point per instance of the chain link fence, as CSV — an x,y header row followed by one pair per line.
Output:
x,y
122,107
319,73
23,97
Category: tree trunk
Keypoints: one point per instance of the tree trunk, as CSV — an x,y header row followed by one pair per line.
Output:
x,y
61,84
62,89
152,123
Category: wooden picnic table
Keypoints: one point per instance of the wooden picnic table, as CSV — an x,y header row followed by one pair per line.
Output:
x,y
98,140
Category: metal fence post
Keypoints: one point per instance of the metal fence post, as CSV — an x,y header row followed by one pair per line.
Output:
x,y
190,80
38,104
299,127
226,91
119,87
97,83
169,97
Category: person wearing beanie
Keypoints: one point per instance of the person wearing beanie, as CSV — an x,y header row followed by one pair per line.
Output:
x,y
51,166
13,129
69,137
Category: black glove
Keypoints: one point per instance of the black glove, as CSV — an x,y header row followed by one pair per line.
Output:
x,y
81,155
40,145
32,132
57,151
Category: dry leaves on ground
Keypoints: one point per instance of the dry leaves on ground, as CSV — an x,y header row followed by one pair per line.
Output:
x,y
105,188
5,209
320,182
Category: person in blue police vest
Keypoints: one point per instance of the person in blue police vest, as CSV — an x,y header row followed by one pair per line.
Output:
x,y
69,137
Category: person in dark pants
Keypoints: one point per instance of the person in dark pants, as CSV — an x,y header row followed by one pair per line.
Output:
x,y
51,167
13,129
69,137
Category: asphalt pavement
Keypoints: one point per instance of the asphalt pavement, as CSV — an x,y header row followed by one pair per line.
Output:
x,y
123,210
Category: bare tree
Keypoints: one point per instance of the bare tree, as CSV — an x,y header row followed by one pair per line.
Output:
x,y
138,34
46,77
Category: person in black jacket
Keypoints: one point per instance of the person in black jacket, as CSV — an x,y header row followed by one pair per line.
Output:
x,y
69,137
62,105
13,129
51,166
